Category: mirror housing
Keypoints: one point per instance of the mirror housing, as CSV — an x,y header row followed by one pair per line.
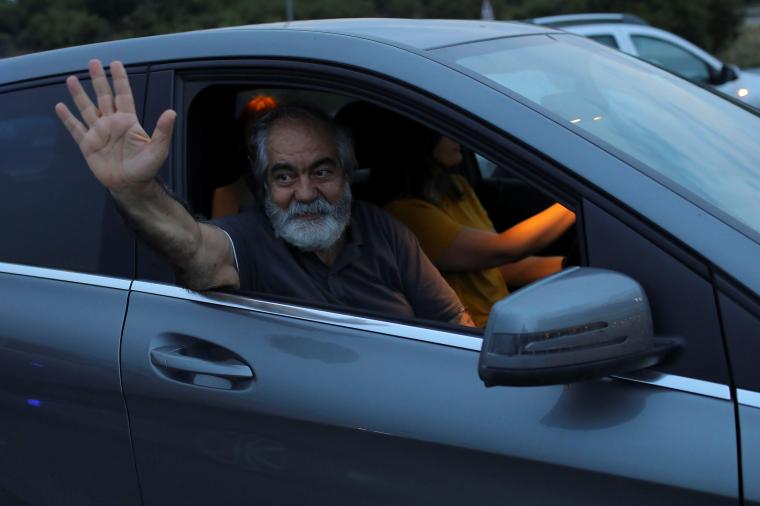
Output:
x,y
578,324
726,74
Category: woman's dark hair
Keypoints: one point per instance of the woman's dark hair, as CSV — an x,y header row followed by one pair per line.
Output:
x,y
428,180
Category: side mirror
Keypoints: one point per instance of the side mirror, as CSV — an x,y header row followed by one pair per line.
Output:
x,y
727,73
578,324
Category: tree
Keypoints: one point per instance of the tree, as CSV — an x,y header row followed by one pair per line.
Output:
x,y
60,26
33,25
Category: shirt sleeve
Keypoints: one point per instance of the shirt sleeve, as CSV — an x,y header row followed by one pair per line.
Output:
x,y
429,294
434,229
471,199
238,228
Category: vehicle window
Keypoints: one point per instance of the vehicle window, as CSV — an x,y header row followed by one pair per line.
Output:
x,y
219,179
55,213
672,57
485,166
697,143
385,178
607,40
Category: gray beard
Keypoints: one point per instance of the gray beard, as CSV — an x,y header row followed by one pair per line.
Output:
x,y
314,234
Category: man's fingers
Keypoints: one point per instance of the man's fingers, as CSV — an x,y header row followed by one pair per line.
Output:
x,y
102,88
124,99
164,126
86,108
161,138
73,125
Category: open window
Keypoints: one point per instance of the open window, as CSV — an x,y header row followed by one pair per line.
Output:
x,y
219,180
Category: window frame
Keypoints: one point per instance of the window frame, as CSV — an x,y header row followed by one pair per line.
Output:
x,y
450,120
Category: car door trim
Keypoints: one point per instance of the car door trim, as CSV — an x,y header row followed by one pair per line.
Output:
x,y
62,275
681,383
395,329
748,398
447,338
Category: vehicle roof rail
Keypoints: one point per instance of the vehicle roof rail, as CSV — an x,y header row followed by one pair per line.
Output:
x,y
587,19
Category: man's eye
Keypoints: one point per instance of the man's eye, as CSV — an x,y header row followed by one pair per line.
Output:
x,y
323,173
283,178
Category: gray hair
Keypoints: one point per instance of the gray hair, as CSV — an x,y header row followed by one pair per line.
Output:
x,y
259,136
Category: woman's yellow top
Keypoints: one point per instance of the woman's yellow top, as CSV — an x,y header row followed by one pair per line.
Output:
x,y
436,226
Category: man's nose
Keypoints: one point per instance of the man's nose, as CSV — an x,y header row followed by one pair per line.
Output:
x,y
305,190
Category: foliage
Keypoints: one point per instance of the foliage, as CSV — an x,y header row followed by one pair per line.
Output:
x,y
34,25
745,52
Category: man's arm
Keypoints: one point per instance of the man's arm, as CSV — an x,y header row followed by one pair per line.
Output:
x,y
429,294
126,160
201,253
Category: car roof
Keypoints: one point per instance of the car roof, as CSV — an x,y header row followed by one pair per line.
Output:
x,y
421,34
413,34
590,18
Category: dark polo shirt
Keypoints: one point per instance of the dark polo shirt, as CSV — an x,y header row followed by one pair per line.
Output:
x,y
380,268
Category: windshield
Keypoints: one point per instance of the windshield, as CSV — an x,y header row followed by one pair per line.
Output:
x,y
681,134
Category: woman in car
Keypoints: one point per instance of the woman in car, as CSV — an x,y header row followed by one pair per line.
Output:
x,y
454,230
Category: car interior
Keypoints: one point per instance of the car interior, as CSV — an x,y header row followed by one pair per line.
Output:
x,y
220,183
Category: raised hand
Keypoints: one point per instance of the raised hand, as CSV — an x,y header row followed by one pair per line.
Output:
x,y
116,147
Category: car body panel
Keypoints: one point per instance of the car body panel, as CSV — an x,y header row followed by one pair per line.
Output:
x,y
336,414
749,422
64,416
741,322
421,34
640,258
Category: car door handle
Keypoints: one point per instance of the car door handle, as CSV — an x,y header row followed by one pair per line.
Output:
x,y
173,357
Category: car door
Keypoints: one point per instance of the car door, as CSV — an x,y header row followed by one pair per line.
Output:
x,y
66,263
741,321
339,409
237,398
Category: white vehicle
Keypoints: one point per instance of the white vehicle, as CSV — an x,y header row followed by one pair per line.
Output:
x,y
633,35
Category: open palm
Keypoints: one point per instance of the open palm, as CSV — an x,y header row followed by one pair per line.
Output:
x,y
116,147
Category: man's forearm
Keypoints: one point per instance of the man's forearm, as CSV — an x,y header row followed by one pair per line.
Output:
x,y
162,222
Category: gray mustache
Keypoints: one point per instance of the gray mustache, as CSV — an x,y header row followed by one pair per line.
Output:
x,y
318,206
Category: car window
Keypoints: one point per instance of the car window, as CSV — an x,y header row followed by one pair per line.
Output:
x,y
697,143
672,57
220,116
485,166
607,40
55,214
221,186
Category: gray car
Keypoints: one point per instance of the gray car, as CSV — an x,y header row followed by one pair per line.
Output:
x,y
635,36
629,378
